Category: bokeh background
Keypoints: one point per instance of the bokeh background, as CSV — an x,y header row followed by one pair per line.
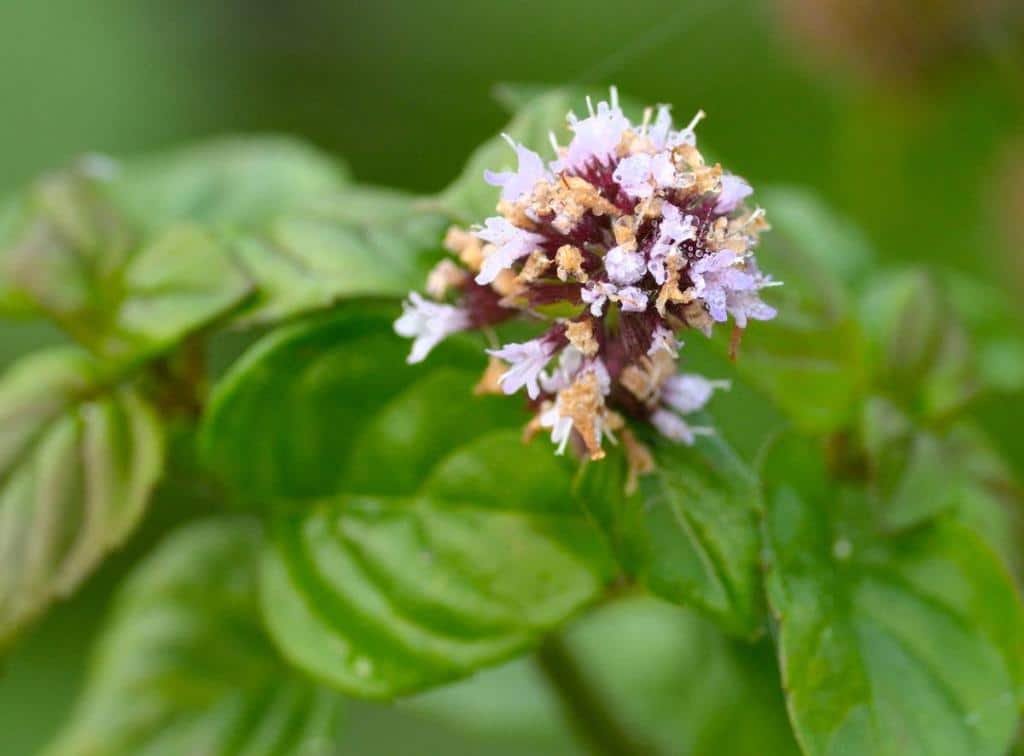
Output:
x,y
908,117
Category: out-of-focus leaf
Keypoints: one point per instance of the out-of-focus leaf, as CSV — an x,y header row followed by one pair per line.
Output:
x,y
810,360
994,327
79,456
907,644
358,241
689,534
185,667
469,199
446,544
72,257
175,285
63,246
914,474
671,676
922,356
233,182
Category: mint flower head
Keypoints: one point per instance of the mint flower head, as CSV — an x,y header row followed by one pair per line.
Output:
x,y
622,241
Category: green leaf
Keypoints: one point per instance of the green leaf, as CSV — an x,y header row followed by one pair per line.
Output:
x,y
689,534
446,544
914,474
922,355
183,665
905,645
72,257
810,360
79,456
359,241
63,246
174,286
233,182
671,677
469,199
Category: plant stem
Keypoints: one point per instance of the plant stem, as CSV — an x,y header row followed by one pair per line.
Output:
x,y
586,712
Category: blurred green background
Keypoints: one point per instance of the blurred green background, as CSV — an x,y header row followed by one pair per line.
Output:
x,y
907,117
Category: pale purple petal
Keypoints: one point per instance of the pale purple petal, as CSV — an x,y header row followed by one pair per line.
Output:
x,y
676,429
624,266
689,392
515,184
631,299
633,175
526,362
734,191
510,242
428,323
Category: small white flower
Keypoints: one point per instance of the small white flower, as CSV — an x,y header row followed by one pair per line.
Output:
x,y
510,242
726,289
569,363
690,393
675,229
631,299
530,172
674,428
526,363
560,425
595,138
734,191
663,339
597,294
624,266
428,323
639,175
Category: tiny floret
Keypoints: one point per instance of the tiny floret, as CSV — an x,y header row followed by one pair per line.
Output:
x,y
623,240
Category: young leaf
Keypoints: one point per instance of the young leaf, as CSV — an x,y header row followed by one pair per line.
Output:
x,y
811,359
238,183
79,456
678,684
359,241
689,534
184,666
446,543
75,260
910,644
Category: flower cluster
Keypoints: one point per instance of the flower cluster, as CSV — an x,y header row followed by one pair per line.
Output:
x,y
625,239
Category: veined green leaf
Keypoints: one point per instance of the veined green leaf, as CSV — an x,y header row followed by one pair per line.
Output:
x,y
183,665
911,644
79,456
672,678
446,543
689,534
359,241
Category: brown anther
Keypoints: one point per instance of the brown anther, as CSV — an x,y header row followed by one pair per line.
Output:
x,y
670,291
644,378
581,335
490,381
507,284
445,275
535,266
624,228
464,244
515,214
567,200
570,263
639,459
696,316
583,402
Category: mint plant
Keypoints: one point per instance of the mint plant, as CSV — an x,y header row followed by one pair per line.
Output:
x,y
828,564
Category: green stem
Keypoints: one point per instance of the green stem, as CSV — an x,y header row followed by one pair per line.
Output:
x,y
586,712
